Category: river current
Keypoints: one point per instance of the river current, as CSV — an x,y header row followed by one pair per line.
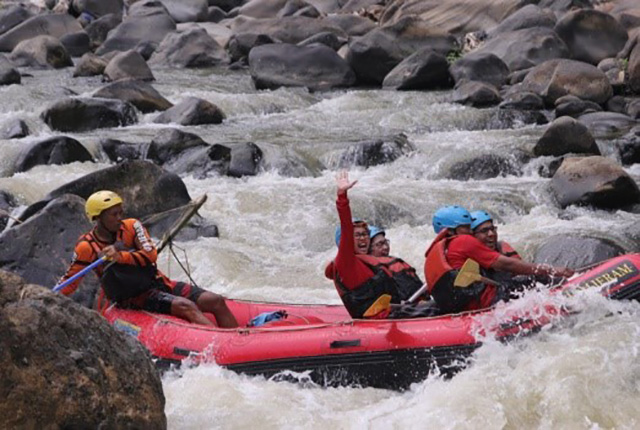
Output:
x,y
276,235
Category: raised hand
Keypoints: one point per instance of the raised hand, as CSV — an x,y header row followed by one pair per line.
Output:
x,y
343,183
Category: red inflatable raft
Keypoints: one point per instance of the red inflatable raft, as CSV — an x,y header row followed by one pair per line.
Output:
x,y
330,348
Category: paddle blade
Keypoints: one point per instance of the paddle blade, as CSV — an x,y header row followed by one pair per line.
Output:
x,y
468,274
382,304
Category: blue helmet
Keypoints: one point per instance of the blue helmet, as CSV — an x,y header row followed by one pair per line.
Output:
x,y
450,217
479,217
374,231
339,230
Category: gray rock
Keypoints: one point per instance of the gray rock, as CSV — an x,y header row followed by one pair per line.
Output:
x,y
633,68
7,203
8,74
128,65
476,94
290,29
591,35
98,8
614,69
633,108
574,107
55,25
594,181
192,111
119,151
326,38
241,44
376,152
353,25
99,29
90,65
630,147
88,114
576,251
226,5
522,101
424,70
14,129
215,14
191,48
375,54
53,345
187,10
529,47
76,44
140,94
607,124
55,150
566,135
170,144
245,160
527,17
136,29
12,16
159,224
482,67
556,78
203,162
262,8
486,166
41,52
316,67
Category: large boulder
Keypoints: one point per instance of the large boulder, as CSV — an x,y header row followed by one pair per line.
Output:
x,y
353,25
12,16
90,65
262,8
98,8
8,73
99,29
476,94
525,48
480,66
14,129
128,65
290,29
629,147
633,67
191,48
56,25
119,151
374,153
140,94
452,16
172,143
55,150
137,30
375,54
54,352
591,35
41,52
191,111
187,10
607,124
566,135
556,78
576,251
316,67
594,181
574,107
627,13
423,70
30,248
76,44
83,114
162,190
245,160
486,166
241,44
529,16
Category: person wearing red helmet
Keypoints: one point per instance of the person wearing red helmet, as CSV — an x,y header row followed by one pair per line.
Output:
x,y
132,279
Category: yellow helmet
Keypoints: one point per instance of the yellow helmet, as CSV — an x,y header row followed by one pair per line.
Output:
x,y
99,201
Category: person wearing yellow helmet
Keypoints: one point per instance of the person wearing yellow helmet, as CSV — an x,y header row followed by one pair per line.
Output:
x,y
132,279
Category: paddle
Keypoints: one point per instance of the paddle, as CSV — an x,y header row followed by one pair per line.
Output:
x,y
81,273
470,273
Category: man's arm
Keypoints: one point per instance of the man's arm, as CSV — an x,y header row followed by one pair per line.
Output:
x,y
519,267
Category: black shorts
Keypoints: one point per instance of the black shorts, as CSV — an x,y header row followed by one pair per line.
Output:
x,y
159,299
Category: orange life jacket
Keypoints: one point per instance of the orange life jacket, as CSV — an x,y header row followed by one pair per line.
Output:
x,y
440,277
391,276
507,250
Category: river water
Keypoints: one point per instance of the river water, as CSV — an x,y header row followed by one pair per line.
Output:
x,y
276,235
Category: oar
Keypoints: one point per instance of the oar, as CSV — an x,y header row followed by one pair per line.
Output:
x,y
80,274
470,273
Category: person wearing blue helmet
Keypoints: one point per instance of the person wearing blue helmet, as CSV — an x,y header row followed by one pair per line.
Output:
x,y
379,244
454,245
366,284
487,232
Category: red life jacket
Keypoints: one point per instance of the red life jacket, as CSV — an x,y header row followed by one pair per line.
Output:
x,y
440,277
391,276
507,250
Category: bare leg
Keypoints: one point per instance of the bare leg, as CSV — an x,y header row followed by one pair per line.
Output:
x,y
214,303
186,309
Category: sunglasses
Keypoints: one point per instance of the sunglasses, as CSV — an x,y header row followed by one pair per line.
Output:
x,y
486,230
